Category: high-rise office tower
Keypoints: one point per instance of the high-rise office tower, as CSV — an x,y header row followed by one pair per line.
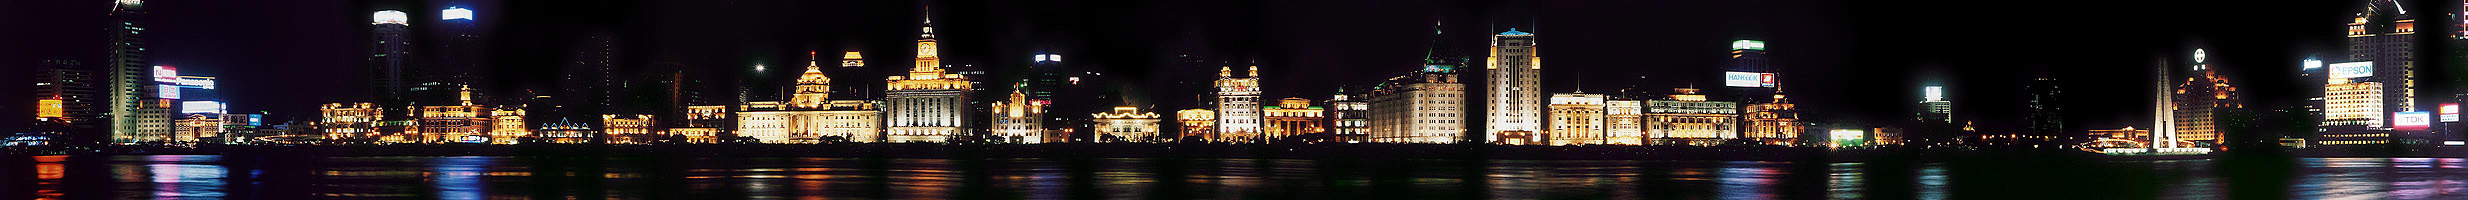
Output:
x,y
1748,73
1934,107
459,47
390,58
1515,96
65,95
588,81
2047,118
2201,100
1238,107
928,105
131,77
2364,97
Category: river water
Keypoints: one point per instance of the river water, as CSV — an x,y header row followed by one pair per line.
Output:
x,y
481,177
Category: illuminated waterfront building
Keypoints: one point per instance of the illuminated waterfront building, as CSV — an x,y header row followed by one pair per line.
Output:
x,y
154,120
506,125
2047,118
2365,97
1020,119
1349,118
1514,111
1238,107
198,127
1624,122
705,124
131,81
1294,117
349,122
928,105
565,131
1776,122
1687,118
2200,102
809,117
2127,133
459,124
1197,124
1126,124
1427,105
1577,119
628,129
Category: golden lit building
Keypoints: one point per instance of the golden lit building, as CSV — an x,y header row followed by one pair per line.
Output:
x,y
349,122
2127,133
458,124
1238,107
851,59
154,122
809,117
1197,123
1423,107
1127,124
928,105
1687,118
629,129
1349,118
1624,122
506,125
704,124
2200,101
1293,117
1019,120
1776,123
196,127
1576,119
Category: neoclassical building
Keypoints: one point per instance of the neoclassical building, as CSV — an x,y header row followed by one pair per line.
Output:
x,y
809,116
1126,124
928,105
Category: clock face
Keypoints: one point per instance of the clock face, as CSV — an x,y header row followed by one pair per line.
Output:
x,y
925,50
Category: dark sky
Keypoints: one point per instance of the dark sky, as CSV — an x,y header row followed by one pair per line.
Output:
x,y
1842,61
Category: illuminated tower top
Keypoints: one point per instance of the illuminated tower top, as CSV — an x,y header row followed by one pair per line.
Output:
x,y
812,87
929,63
454,13
395,17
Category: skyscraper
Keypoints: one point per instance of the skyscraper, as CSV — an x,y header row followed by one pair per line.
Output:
x,y
1934,107
459,46
1515,89
928,105
2364,96
65,94
2047,118
1238,107
131,78
390,57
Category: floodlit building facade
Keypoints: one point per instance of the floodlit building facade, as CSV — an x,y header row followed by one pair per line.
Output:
x,y
1019,120
506,125
349,121
810,116
1577,119
629,129
1514,111
464,123
1238,107
1774,123
1197,124
1624,122
1127,124
2364,97
1428,105
1687,118
1294,117
928,105
705,124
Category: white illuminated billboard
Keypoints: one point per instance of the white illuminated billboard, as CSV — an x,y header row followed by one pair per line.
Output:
x,y
2450,112
2411,120
1935,93
201,107
167,91
1747,79
2352,69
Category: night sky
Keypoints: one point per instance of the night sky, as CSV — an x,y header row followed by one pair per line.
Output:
x,y
1843,61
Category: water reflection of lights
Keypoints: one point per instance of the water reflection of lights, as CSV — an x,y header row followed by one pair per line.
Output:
x,y
460,177
1932,181
185,176
1843,181
1748,180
